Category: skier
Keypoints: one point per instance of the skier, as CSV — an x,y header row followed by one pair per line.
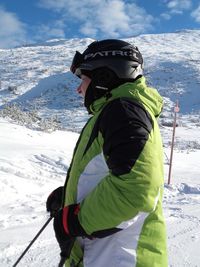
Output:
x,y
110,208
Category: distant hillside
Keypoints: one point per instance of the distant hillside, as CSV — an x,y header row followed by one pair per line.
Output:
x,y
37,76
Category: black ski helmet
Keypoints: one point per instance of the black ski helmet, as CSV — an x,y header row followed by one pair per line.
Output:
x,y
108,63
124,59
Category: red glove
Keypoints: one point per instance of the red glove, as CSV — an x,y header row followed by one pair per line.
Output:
x,y
67,227
66,222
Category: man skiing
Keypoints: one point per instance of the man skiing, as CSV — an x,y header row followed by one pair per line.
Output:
x,y
111,211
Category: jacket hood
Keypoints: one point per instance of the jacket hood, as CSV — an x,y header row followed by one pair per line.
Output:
x,y
138,90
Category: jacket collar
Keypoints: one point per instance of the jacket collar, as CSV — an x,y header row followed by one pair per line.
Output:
x,y
138,91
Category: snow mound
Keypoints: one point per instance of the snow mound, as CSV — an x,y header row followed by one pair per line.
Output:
x,y
183,188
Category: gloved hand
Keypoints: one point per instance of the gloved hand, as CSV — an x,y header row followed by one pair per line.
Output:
x,y
54,200
66,223
67,227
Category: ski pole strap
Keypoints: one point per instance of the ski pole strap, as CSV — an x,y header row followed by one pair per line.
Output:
x,y
31,243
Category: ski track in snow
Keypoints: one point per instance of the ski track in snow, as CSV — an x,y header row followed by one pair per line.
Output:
x,y
26,182
181,205
32,164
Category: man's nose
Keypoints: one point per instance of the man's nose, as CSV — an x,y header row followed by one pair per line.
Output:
x,y
78,90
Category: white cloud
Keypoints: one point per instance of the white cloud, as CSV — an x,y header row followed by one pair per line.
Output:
x,y
179,6
12,30
88,29
48,31
104,18
166,16
139,20
196,14
52,4
109,19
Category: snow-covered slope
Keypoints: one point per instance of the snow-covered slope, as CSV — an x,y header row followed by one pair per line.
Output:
x,y
38,76
38,79
37,96
33,163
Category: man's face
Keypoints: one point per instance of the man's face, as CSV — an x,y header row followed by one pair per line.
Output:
x,y
85,81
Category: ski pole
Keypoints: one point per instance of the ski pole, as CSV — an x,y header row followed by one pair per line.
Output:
x,y
31,243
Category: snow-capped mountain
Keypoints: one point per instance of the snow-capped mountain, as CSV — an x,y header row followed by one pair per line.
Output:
x,y
38,96
38,76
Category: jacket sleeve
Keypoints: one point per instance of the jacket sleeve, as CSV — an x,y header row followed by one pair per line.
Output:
x,y
126,129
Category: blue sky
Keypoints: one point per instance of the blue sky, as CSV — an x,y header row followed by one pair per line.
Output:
x,y
29,21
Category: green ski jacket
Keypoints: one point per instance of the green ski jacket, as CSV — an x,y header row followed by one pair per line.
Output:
x,y
116,173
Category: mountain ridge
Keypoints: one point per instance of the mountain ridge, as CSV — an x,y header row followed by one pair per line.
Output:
x,y
171,63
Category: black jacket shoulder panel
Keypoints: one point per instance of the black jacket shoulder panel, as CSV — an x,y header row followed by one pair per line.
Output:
x,y
125,126
124,109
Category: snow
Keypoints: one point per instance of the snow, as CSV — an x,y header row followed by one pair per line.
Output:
x,y
32,164
34,159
